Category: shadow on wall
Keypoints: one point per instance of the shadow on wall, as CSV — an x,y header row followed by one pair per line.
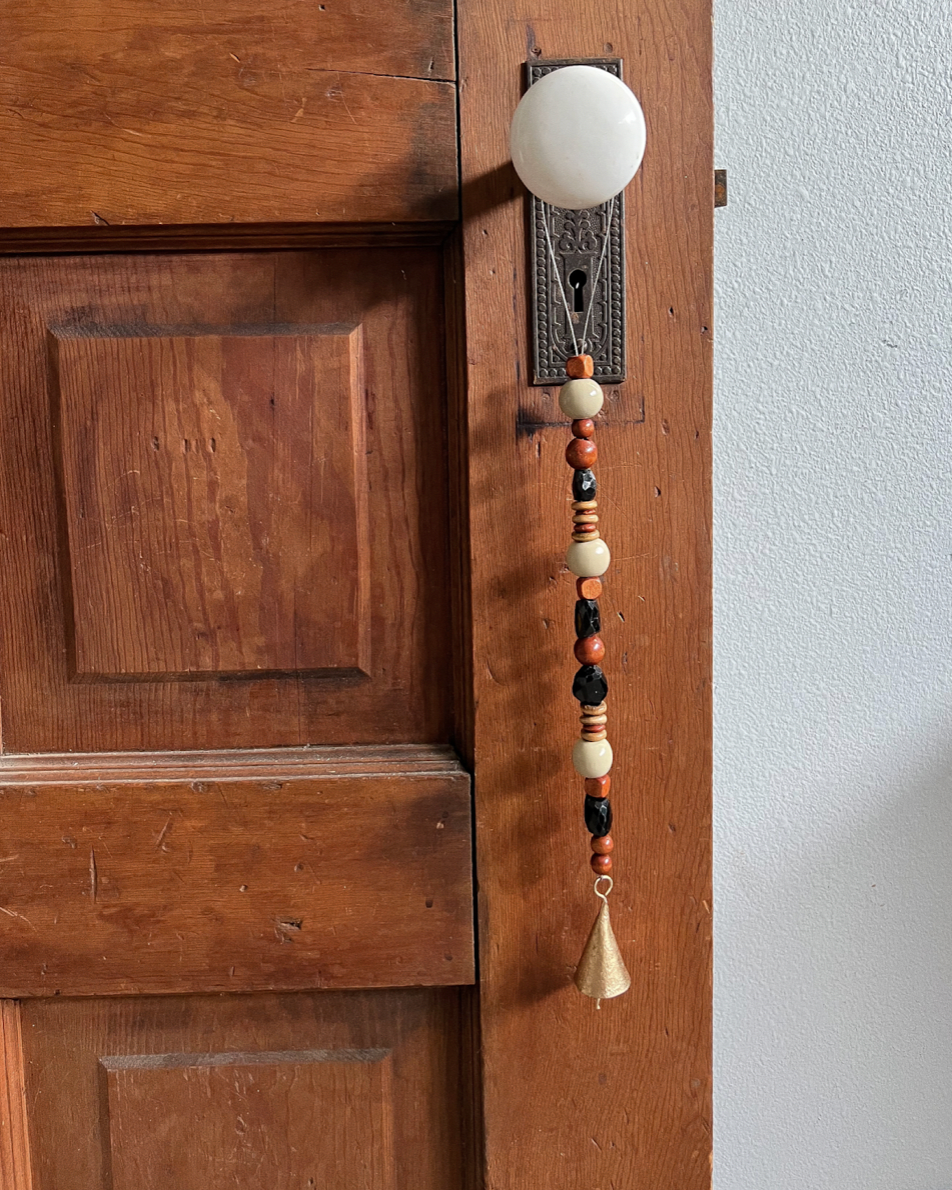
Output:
x,y
859,933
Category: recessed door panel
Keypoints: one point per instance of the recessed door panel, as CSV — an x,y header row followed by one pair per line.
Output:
x,y
296,1092
240,490
223,496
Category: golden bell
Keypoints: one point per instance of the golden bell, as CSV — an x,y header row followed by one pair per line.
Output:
x,y
601,971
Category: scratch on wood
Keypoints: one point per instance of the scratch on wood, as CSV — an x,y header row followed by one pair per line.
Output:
x,y
11,913
162,833
93,876
254,1058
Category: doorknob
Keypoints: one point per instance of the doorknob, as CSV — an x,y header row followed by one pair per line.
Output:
x,y
577,139
577,235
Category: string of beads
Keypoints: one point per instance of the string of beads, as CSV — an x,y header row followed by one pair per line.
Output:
x,y
588,558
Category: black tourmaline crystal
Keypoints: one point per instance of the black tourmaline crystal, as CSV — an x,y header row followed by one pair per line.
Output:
x,y
590,686
587,620
584,486
598,816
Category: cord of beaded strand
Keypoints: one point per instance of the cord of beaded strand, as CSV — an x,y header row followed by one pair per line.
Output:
x,y
588,558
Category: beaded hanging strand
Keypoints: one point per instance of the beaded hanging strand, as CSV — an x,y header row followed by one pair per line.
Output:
x,y
601,972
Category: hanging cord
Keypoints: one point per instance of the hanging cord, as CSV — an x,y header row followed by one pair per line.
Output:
x,y
604,897
598,274
598,271
558,275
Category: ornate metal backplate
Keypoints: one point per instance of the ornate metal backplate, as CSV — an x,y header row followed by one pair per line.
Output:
x,y
578,238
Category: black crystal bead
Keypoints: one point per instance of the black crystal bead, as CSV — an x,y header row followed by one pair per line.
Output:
x,y
590,686
598,816
584,486
588,622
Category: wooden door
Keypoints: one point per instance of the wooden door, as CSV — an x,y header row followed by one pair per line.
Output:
x,y
293,876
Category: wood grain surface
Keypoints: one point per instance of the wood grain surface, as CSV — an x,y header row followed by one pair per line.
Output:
x,y
573,1096
288,873
15,1166
177,112
241,494
280,489
290,1092
253,117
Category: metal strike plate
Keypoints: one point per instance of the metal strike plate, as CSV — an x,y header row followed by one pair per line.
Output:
x,y
577,238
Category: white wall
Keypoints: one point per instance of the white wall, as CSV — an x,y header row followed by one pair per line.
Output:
x,y
833,481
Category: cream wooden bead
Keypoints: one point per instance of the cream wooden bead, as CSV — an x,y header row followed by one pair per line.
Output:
x,y
580,398
588,559
592,759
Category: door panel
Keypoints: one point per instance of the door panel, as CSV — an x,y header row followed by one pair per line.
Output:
x,y
149,873
223,466
171,112
294,1092
222,521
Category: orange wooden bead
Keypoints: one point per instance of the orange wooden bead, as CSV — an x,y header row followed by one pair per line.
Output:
x,y
588,588
603,846
597,786
601,864
583,428
580,367
589,650
581,454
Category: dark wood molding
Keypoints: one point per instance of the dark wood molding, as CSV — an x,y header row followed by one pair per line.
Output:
x,y
239,764
44,241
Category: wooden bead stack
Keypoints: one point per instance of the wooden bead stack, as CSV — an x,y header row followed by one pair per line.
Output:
x,y
588,558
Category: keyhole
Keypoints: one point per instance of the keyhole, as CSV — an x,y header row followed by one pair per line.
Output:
x,y
578,280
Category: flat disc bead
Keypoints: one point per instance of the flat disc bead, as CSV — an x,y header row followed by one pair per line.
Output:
x,y
588,559
592,760
580,454
594,722
581,398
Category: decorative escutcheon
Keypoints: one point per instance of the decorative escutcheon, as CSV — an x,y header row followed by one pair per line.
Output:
x,y
578,238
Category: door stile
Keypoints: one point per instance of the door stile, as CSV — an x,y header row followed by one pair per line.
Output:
x,y
574,1096
15,1170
